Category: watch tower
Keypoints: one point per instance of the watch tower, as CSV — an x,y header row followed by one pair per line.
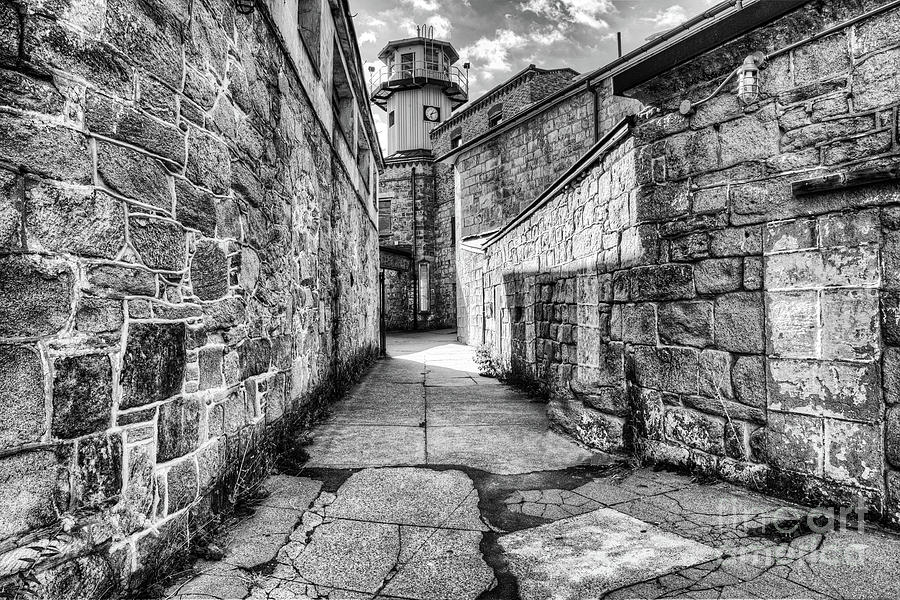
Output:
x,y
418,86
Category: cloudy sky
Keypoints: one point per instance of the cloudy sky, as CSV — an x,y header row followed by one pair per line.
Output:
x,y
501,37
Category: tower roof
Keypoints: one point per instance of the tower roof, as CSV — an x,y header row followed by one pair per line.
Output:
x,y
452,54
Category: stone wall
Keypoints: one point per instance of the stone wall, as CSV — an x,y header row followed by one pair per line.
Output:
x,y
186,261
513,96
682,302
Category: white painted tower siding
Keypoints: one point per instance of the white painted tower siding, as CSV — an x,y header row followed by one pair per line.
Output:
x,y
410,130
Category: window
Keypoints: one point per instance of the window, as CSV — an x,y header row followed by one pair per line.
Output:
x,y
456,138
363,155
424,286
309,21
391,119
432,59
342,98
495,115
384,217
407,63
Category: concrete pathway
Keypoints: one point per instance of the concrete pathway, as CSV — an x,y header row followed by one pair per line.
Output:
x,y
430,482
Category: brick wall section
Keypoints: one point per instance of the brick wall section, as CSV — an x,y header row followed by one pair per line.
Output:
x,y
681,301
183,263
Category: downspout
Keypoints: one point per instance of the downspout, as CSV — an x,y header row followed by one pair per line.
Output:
x,y
595,110
415,275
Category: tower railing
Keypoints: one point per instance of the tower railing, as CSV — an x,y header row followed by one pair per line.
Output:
x,y
418,73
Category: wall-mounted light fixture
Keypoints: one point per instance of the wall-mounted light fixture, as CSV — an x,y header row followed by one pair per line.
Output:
x,y
748,78
748,84
245,7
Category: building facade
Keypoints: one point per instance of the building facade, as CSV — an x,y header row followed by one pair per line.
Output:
x,y
188,264
707,280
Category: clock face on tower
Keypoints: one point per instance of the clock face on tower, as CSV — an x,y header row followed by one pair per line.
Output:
x,y
432,114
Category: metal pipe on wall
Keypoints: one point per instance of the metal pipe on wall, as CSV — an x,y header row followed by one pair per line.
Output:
x,y
415,235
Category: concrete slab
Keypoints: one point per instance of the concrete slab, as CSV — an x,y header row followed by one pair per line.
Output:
x,y
409,497
351,555
588,555
343,446
351,412
291,492
212,580
504,449
440,564
464,414
476,395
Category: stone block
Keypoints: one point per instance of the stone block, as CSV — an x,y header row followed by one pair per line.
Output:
x,y
832,389
694,429
662,202
98,315
105,116
890,369
735,241
667,369
854,453
759,201
208,162
35,295
21,396
718,275
34,489
209,271
160,243
796,443
739,322
210,360
692,152
754,136
82,395
153,364
181,485
850,324
821,59
10,210
98,478
116,281
736,443
140,485
722,407
638,323
686,323
228,219
892,435
210,461
753,273
196,208
859,147
663,282
255,356
134,175
876,33
748,379
781,236
178,428
844,267
10,33
49,150
73,220
49,45
876,80
710,200
793,324
715,374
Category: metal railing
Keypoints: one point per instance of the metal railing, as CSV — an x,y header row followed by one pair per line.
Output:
x,y
418,72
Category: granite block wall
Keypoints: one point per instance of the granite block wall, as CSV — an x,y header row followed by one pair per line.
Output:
x,y
186,260
683,302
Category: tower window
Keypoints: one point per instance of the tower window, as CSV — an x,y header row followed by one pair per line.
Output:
x,y
309,22
407,62
391,119
432,60
495,115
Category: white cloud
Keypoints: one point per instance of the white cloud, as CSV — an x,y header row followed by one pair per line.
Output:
x,y
583,12
368,37
424,5
493,54
547,37
668,18
441,24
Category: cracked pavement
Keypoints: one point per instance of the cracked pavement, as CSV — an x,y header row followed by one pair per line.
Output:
x,y
429,482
